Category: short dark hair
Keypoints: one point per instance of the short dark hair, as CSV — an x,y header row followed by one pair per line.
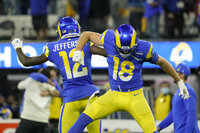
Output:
x,y
46,72
52,68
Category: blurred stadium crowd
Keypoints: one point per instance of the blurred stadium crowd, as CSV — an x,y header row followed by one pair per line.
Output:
x,y
152,19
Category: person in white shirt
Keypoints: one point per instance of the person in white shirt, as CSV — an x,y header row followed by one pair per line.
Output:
x,y
39,90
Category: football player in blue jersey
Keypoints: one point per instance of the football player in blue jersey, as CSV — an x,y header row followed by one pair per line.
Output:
x,y
126,54
78,88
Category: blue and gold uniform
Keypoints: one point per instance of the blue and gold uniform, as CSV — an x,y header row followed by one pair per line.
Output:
x,y
125,73
126,84
77,81
76,78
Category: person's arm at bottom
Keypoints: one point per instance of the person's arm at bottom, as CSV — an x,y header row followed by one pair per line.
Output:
x,y
166,122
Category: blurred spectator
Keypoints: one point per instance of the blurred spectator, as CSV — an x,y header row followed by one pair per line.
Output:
x,y
2,10
12,6
5,88
52,6
153,9
54,116
136,14
13,105
190,23
56,103
24,6
174,19
119,12
163,101
3,101
39,17
5,112
9,6
61,8
198,13
36,101
98,15
70,10
82,7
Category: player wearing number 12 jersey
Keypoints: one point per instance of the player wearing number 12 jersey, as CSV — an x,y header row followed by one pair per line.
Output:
x,y
78,88
126,54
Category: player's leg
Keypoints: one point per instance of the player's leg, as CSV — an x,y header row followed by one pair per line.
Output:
x,y
68,116
100,108
95,126
141,112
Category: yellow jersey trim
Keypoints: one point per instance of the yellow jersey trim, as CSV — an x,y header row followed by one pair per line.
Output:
x,y
91,44
47,51
149,53
102,37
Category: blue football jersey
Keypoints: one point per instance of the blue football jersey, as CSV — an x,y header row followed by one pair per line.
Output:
x,y
125,73
77,81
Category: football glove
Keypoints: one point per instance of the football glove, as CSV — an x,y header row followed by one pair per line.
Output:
x,y
183,90
17,43
78,57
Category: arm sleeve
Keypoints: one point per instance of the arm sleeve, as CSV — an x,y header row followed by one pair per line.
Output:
x,y
166,122
46,86
190,105
39,77
151,56
24,83
58,87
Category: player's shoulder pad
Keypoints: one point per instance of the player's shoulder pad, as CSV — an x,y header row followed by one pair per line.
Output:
x,y
145,47
47,48
107,35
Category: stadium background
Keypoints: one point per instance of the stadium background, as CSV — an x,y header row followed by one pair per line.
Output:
x,y
16,21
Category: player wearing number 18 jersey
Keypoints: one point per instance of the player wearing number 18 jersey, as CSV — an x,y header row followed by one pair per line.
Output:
x,y
78,88
126,54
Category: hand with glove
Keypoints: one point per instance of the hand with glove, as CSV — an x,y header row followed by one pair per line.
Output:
x,y
183,90
78,57
17,43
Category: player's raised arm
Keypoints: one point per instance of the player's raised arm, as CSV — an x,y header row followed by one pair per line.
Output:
x,y
167,67
94,49
88,36
83,39
25,60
